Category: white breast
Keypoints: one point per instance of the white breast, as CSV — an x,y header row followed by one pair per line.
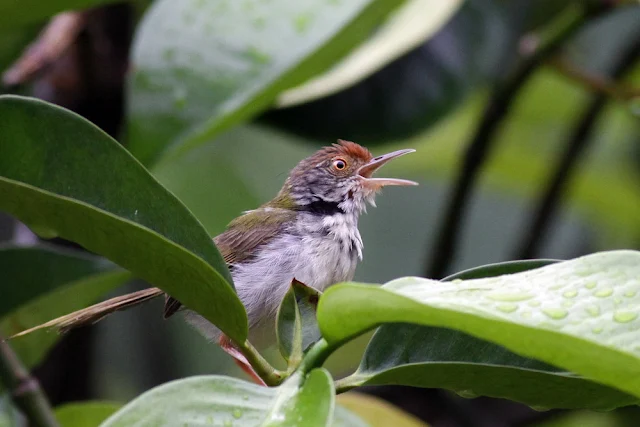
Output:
x,y
316,251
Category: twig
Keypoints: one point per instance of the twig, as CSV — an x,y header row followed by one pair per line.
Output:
x,y
593,82
53,41
549,200
504,95
25,390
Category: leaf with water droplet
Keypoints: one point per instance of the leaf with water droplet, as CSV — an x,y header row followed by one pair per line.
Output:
x,y
562,336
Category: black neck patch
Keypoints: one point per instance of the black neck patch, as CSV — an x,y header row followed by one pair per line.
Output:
x,y
321,207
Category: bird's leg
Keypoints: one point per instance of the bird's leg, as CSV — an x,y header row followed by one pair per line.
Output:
x,y
239,359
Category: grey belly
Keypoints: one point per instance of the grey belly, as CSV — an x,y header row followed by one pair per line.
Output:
x,y
262,283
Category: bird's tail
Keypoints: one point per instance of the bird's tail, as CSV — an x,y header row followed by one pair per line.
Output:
x,y
96,312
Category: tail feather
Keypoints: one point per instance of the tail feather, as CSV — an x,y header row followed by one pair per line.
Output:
x,y
96,312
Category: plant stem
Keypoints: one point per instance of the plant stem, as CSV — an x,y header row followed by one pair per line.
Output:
x,y
578,143
350,382
593,82
496,111
270,375
316,355
25,390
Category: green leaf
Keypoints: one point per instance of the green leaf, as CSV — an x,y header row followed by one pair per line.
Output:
x,y
61,174
74,295
580,315
85,414
224,401
377,412
500,268
296,324
202,67
14,14
406,29
429,357
423,356
309,406
28,272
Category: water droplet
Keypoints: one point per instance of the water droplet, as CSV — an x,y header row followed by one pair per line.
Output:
x,y
227,423
257,55
570,294
533,303
630,294
593,310
515,297
237,414
467,394
597,330
617,300
555,313
624,316
540,408
590,285
526,314
209,419
567,303
603,293
507,307
179,98
259,23
245,397
301,23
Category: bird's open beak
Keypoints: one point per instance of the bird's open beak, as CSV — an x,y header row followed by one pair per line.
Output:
x,y
376,163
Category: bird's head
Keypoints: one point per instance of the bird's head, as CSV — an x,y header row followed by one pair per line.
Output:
x,y
340,175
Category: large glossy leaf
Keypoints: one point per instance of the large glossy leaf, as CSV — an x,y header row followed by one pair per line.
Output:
x,y
202,67
85,414
407,28
580,315
28,272
413,92
224,401
67,297
62,176
13,14
423,356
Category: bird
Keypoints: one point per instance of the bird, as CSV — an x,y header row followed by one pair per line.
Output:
x,y
308,232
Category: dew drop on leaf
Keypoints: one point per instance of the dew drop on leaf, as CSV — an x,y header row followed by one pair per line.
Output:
x,y
624,316
603,293
507,307
593,310
555,313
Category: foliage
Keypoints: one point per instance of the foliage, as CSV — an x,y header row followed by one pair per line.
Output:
x,y
547,333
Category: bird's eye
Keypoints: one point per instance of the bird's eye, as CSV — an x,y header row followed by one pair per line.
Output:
x,y
339,164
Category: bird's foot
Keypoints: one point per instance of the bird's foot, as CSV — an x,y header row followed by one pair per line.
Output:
x,y
240,360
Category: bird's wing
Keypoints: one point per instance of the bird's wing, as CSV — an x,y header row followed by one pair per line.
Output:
x,y
242,238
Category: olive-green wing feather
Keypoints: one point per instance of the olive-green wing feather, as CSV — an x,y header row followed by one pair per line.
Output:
x,y
242,238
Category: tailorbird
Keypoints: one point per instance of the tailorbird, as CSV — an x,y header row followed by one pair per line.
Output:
x,y
308,232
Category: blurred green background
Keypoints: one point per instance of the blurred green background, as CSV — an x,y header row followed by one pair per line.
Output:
x,y
428,95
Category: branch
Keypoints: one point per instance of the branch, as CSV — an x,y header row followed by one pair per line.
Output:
x,y
549,200
25,390
593,82
60,33
501,100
